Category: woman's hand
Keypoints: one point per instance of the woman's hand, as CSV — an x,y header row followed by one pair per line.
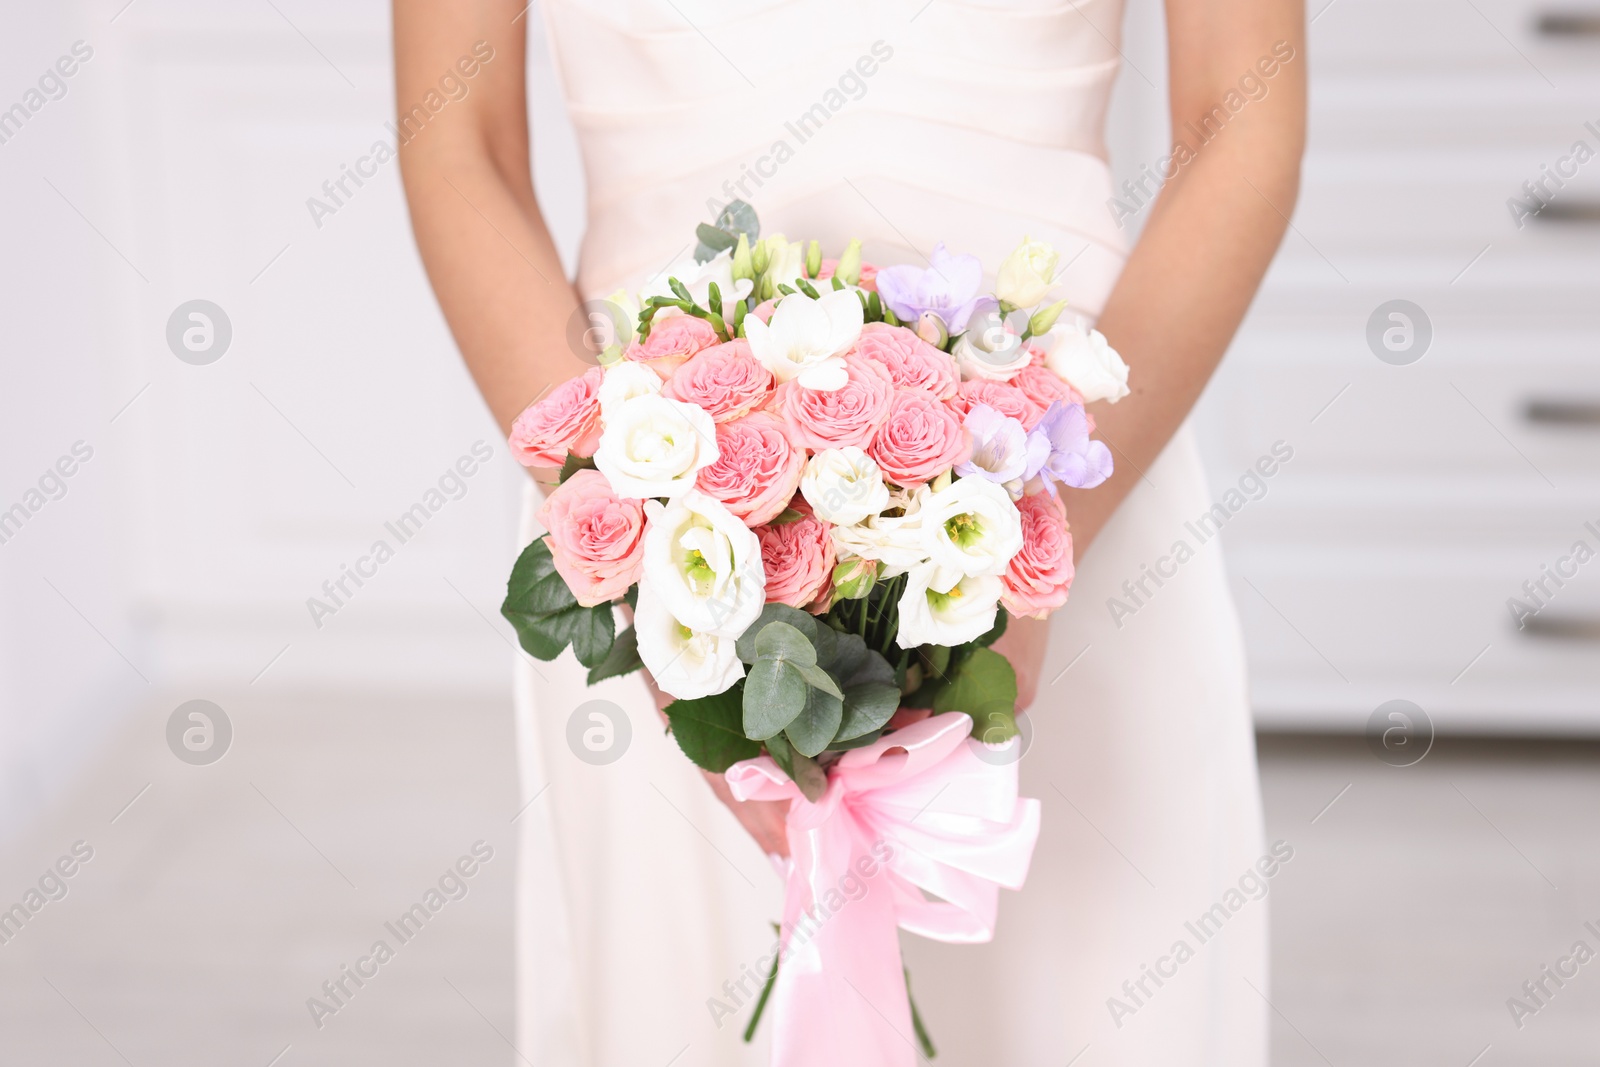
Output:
x,y
764,820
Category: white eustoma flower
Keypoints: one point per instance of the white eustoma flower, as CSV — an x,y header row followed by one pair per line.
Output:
x,y
786,261
652,446
697,278
970,527
684,663
962,611
896,541
989,349
704,564
807,338
625,380
1025,275
843,486
1084,361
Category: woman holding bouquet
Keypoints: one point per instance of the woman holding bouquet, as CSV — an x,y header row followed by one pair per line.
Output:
x,y
645,891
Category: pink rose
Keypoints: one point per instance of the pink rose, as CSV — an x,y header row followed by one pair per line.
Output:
x,y
725,380
849,415
567,420
1043,388
596,538
797,558
1004,397
673,339
912,362
1037,581
921,439
757,470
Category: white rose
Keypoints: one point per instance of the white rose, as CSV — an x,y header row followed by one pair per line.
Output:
x,y
624,381
704,564
843,486
1026,274
807,339
962,611
989,350
1084,361
896,541
684,663
971,527
653,447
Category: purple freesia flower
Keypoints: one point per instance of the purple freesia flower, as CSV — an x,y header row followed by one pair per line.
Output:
x,y
948,288
1070,456
1001,449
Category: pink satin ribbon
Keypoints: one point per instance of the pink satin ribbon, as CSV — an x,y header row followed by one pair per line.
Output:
x,y
915,811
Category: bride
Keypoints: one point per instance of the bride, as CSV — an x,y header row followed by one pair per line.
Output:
x,y
645,893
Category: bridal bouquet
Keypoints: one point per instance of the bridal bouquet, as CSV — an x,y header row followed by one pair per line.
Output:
x,y
822,487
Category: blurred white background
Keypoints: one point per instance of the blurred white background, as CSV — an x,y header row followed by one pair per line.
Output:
x,y
177,164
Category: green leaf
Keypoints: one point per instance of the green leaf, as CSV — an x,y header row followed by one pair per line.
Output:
x,y
739,217
816,724
935,659
779,640
787,516
806,624
590,631
631,597
535,588
714,238
774,694
710,730
622,659
850,653
818,678
999,629
985,687
574,464
812,779
867,706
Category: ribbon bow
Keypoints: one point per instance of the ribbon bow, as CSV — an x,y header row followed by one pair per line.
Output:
x,y
914,811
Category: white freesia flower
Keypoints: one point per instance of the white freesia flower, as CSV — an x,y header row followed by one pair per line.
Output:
x,y
989,350
684,663
807,338
1025,276
697,278
704,564
786,262
624,381
962,611
843,486
970,527
652,446
1084,360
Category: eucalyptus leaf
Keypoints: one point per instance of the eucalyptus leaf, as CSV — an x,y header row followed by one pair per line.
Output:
x,y
867,706
818,678
779,640
710,730
850,652
739,217
805,623
774,696
816,724
715,238
985,687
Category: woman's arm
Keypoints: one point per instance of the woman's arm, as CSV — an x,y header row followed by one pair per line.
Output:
x,y
1210,236
483,241
488,254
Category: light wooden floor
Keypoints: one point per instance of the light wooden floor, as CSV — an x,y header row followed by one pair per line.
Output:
x,y
223,896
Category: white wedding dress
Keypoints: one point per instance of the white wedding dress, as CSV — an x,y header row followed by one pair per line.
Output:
x,y
642,905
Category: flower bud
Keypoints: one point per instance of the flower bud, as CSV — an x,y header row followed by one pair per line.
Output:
x,y
931,328
849,268
743,262
854,578
761,255
814,259
1045,318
